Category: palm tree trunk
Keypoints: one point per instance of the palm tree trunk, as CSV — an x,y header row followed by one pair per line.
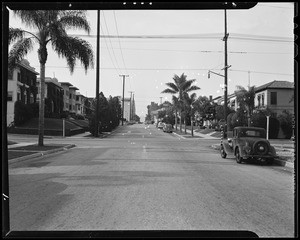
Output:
x,y
176,119
180,122
41,105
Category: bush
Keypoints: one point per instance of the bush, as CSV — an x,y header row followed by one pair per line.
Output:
x,y
22,114
274,126
286,123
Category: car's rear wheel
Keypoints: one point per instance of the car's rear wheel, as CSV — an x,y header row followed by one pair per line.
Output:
x,y
238,157
223,153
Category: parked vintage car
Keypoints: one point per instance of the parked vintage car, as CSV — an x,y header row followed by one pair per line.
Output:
x,y
160,125
248,143
168,128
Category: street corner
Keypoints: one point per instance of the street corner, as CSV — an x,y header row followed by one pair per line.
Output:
x,y
15,156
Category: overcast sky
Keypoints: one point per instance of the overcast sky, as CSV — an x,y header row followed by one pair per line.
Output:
x,y
260,50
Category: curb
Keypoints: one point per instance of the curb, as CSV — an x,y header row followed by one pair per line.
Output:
x,y
40,154
279,162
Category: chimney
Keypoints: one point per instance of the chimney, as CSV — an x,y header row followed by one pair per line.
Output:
x,y
210,98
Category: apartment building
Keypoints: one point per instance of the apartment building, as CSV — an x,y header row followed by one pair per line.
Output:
x,y
21,87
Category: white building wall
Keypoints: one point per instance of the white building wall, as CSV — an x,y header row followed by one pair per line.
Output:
x,y
13,89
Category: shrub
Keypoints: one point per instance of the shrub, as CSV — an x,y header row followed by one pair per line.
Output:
x,y
286,120
23,113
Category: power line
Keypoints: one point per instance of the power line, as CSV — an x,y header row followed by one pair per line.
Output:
x,y
200,36
110,41
119,40
202,51
109,52
175,69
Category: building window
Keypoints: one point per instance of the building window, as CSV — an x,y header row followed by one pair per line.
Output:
x,y
258,99
273,98
31,98
19,77
9,96
263,99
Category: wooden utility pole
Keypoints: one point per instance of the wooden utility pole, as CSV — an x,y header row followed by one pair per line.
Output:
x,y
123,97
97,77
225,70
130,115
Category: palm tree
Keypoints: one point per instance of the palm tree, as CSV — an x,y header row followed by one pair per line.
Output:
x,y
180,86
51,27
245,99
190,101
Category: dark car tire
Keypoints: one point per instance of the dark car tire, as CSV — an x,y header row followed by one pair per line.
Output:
x,y
270,161
223,153
238,157
258,144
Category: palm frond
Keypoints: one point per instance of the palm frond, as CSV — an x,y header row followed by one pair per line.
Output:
x,y
18,51
15,34
192,88
73,48
168,90
172,86
75,19
32,18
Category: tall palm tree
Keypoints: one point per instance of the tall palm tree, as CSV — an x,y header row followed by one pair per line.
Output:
x,y
175,107
189,101
51,26
245,99
180,86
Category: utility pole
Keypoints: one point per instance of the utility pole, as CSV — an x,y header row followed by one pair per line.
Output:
x,y
130,115
97,77
123,97
226,70
248,79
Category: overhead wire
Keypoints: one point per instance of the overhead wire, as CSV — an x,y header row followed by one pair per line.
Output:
x,y
116,24
110,41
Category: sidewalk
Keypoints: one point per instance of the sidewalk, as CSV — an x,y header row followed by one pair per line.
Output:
x,y
196,134
25,150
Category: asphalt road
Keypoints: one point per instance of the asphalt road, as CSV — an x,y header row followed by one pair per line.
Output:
x,y
141,178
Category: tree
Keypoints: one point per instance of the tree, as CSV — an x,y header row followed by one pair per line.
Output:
x,y
245,99
51,27
180,86
189,101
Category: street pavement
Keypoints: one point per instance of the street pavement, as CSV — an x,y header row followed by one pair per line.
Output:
x,y
140,178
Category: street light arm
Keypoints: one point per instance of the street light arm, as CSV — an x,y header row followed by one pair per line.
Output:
x,y
214,73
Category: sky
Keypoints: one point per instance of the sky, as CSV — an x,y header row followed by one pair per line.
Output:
x,y
260,50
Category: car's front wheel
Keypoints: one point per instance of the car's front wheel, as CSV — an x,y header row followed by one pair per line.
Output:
x,y
238,157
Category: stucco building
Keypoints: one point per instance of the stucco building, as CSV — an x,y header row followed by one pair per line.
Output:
x,y
21,86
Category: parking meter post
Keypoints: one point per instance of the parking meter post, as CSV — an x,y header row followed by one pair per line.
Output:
x,y
192,128
268,120
64,128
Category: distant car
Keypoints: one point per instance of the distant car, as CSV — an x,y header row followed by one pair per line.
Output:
x,y
160,125
168,128
248,143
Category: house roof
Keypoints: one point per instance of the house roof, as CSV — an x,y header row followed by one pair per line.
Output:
x,y
25,64
73,87
66,83
275,85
